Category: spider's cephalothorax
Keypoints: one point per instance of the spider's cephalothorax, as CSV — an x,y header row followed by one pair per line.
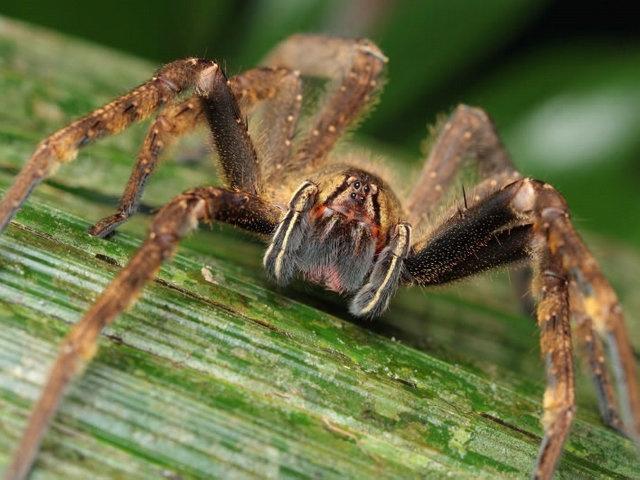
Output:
x,y
343,231
343,227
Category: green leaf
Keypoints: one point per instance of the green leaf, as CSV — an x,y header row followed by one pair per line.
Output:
x,y
215,372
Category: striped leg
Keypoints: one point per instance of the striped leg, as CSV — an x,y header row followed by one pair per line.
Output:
x,y
373,298
279,257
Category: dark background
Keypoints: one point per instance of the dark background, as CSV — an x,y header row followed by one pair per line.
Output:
x,y
561,79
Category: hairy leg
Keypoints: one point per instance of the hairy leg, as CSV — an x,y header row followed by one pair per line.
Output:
x,y
512,220
598,304
279,261
487,235
592,299
280,90
172,223
374,296
173,121
249,88
556,350
63,145
593,353
530,218
468,135
355,68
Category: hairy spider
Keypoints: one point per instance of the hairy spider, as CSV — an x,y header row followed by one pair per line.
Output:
x,y
340,225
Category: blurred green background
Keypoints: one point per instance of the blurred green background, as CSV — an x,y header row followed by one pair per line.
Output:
x,y
561,79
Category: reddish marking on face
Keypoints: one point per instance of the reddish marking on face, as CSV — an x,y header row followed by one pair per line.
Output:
x,y
352,214
317,212
381,239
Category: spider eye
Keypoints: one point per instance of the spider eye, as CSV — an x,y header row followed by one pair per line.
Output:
x,y
356,185
353,195
366,189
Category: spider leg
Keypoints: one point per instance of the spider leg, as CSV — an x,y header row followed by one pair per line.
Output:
x,y
596,308
556,349
588,291
540,217
355,68
511,225
483,237
238,158
281,89
171,224
468,135
175,120
598,304
486,236
530,218
63,145
437,263
593,352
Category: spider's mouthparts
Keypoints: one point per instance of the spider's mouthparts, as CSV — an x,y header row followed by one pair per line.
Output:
x,y
330,217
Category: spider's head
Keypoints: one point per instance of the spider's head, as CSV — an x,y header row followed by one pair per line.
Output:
x,y
355,198
358,196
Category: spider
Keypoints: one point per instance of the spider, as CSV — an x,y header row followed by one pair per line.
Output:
x,y
336,222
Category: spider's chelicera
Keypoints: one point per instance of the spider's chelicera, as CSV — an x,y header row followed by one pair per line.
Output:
x,y
338,223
